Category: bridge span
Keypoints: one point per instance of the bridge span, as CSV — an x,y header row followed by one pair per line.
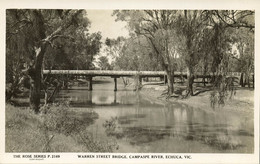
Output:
x,y
107,73
113,74
89,74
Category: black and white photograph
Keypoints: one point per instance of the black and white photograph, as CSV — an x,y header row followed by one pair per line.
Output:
x,y
129,84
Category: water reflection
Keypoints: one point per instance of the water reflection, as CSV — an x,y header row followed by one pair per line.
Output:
x,y
143,126
140,125
81,98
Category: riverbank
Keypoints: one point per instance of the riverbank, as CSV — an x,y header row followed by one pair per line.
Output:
x,y
57,128
241,102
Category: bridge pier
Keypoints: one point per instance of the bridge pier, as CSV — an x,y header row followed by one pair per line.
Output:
x,y
90,83
165,80
115,80
140,80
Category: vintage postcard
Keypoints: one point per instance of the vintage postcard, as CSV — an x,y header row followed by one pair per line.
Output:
x,y
129,82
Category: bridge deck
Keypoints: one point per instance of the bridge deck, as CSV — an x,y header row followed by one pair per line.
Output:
x,y
122,73
104,73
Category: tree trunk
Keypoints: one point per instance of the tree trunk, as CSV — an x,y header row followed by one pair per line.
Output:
x,y
248,81
242,80
36,78
170,81
204,81
190,77
35,91
190,85
204,77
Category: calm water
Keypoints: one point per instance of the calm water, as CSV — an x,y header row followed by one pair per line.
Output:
x,y
137,124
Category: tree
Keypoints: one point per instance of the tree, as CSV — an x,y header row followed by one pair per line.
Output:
x,y
191,24
114,46
236,18
200,38
103,63
237,26
244,41
156,27
76,54
224,25
136,54
32,32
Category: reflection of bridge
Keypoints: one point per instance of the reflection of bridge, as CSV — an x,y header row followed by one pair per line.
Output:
x,y
116,74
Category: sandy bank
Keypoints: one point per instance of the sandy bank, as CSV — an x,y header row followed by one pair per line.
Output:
x,y
242,102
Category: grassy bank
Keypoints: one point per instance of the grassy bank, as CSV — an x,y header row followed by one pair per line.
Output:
x,y
57,129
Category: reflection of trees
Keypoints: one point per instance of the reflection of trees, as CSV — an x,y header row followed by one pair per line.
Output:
x,y
115,97
191,132
144,125
179,120
102,98
168,112
89,97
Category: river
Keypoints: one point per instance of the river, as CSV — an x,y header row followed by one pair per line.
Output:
x,y
137,124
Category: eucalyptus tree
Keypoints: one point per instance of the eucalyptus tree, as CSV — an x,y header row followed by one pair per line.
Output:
x,y
103,63
156,27
228,28
192,25
29,33
137,54
244,41
114,46
233,28
236,18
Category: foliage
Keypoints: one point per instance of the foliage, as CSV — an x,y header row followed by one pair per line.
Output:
x,y
136,54
75,54
103,63
156,27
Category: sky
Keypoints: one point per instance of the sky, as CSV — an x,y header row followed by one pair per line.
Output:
x,y
103,21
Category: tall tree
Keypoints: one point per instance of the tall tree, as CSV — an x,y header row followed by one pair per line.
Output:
x,y
33,31
191,24
156,27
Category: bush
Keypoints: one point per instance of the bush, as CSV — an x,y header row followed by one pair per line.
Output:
x,y
56,129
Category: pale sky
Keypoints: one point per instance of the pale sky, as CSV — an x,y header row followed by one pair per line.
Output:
x,y
101,20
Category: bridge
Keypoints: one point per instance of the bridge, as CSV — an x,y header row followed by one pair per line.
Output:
x,y
106,73
89,74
